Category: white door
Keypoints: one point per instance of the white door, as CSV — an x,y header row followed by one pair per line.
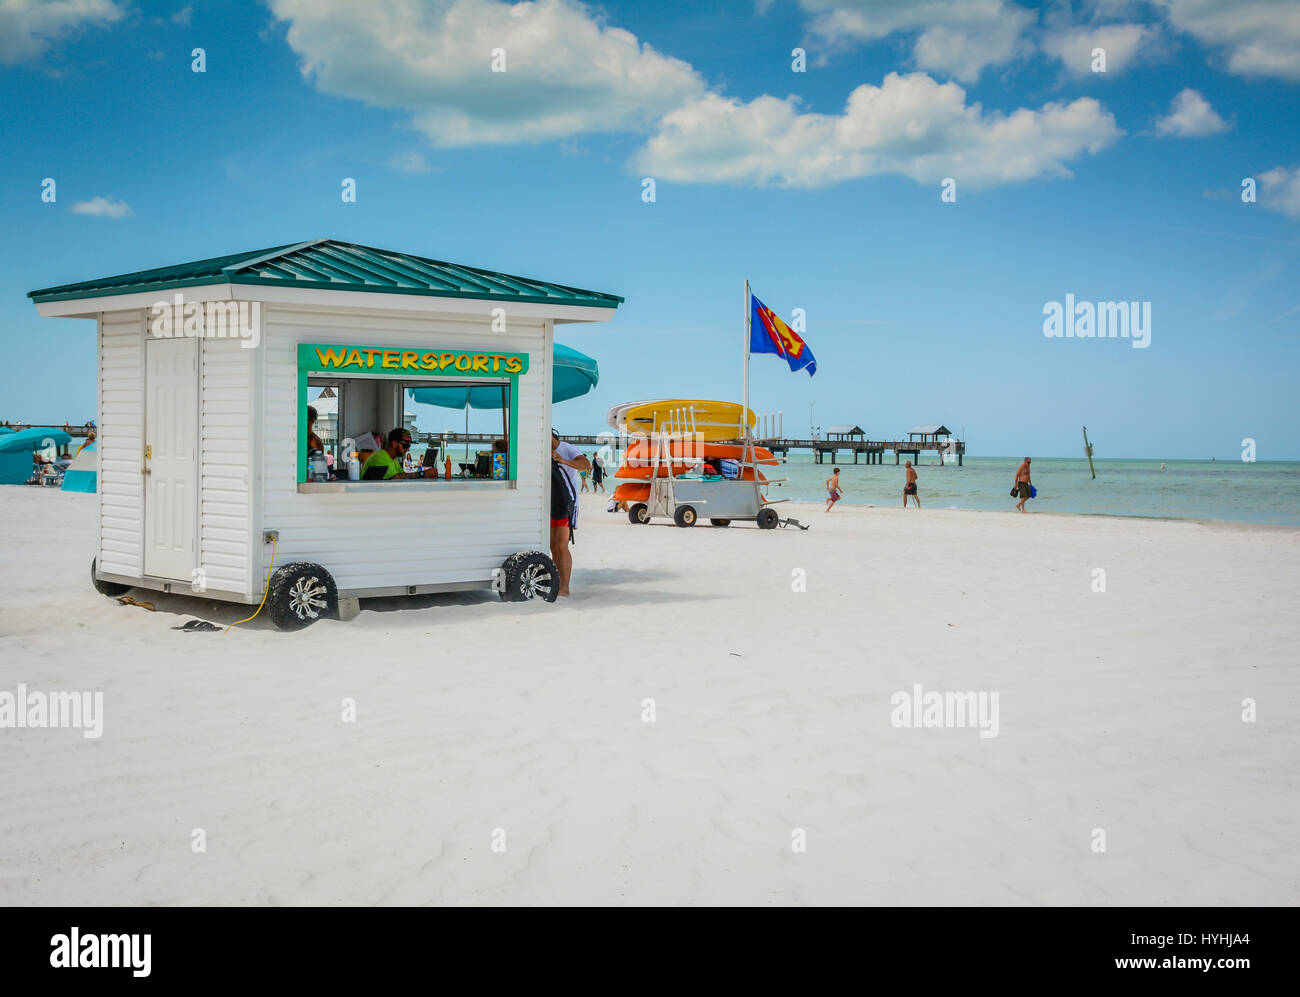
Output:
x,y
171,457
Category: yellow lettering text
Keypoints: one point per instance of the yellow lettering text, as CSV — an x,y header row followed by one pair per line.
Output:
x,y
331,358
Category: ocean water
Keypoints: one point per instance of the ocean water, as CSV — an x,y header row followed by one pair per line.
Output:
x,y
1259,492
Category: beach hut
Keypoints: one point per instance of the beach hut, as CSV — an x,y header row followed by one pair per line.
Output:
x,y
206,369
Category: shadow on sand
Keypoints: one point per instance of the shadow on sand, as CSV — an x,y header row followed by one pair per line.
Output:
x,y
591,587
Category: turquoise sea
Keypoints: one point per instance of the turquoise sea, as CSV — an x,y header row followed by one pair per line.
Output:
x,y
1259,492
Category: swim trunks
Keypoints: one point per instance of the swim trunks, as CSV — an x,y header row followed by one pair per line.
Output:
x,y
910,489
1024,489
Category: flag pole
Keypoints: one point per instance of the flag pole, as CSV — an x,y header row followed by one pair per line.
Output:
x,y
744,415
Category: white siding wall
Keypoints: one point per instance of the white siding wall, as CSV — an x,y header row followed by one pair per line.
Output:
x,y
374,540
120,440
226,491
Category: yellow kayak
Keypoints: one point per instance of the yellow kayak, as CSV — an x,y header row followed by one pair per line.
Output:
x,y
712,420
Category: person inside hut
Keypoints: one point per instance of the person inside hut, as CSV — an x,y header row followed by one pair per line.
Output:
x,y
386,464
313,441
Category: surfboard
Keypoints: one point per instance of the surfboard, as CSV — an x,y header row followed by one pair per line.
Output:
x,y
614,417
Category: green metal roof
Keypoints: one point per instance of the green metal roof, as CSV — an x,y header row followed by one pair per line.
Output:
x,y
327,264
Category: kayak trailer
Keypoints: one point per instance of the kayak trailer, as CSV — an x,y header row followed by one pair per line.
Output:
x,y
671,440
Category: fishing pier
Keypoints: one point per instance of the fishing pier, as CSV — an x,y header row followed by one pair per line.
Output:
x,y
837,440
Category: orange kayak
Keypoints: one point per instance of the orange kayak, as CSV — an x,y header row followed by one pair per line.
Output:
x,y
632,491
643,473
642,452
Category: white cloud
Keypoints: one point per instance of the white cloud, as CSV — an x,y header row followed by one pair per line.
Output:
x,y
956,37
29,27
183,16
910,125
1122,43
566,71
1279,189
103,207
409,162
1190,116
1261,37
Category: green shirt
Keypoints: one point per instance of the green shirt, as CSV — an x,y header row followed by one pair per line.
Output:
x,y
380,458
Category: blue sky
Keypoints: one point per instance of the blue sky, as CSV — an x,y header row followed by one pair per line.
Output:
x,y
821,187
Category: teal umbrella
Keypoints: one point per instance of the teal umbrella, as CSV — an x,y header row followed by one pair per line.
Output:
x,y
16,451
574,374
29,440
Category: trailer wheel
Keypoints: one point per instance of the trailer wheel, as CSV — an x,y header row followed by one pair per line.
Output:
x,y
110,589
527,575
720,522
300,594
684,516
639,514
767,519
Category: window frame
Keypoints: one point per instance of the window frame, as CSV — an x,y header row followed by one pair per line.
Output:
x,y
312,365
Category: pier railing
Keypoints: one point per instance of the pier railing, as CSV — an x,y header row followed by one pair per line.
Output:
x,y
873,449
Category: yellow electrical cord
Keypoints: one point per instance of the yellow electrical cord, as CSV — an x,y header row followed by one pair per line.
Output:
x,y
264,591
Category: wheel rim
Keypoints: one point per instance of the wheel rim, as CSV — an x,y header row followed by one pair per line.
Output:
x,y
535,580
307,598
688,517
642,515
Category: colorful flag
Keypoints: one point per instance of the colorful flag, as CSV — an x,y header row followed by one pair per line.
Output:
x,y
768,334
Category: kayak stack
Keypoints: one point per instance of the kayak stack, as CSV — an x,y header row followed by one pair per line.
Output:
x,y
683,437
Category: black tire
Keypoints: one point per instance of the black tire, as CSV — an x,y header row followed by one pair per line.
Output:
x,y
639,514
300,594
767,519
110,589
685,515
527,575
720,522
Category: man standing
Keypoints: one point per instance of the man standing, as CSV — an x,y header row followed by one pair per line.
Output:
x,y
833,489
910,487
568,460
1022,484
597,474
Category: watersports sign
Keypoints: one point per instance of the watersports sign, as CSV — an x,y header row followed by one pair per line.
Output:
x,y
395,360
400,363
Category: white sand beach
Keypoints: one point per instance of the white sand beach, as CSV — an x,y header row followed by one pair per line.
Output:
x,y
1119,711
